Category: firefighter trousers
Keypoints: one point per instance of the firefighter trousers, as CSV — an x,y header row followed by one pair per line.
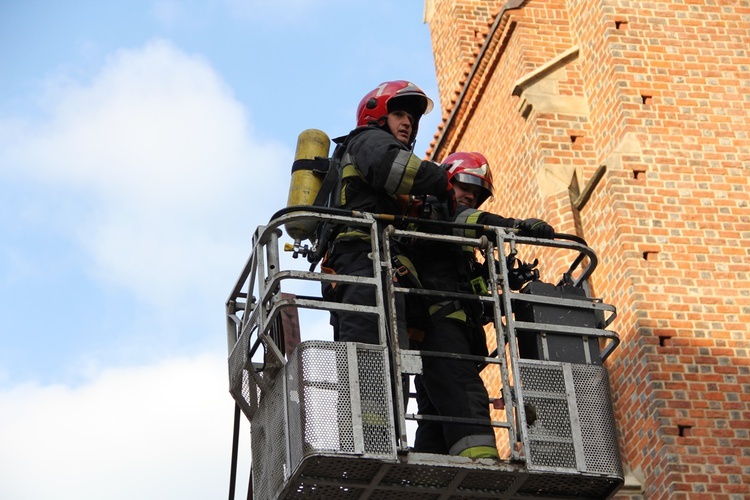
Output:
x,y
354,260
451,388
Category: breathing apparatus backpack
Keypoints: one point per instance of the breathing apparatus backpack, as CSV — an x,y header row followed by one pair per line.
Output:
x,y
311,164
315,177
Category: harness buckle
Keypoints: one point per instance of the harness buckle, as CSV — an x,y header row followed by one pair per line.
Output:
x,y
479,286
401,270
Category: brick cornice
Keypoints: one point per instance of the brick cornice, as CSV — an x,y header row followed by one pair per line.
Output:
x,y
452,127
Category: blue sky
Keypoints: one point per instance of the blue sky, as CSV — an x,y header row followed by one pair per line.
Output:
x,y
141,142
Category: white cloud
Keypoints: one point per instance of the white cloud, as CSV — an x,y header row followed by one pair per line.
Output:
x,y
163,156
161,431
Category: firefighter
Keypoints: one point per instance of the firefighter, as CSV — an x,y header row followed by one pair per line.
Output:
x,y
378,172
450,387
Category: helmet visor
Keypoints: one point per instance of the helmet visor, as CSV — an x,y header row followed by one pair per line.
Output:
x,y
474,181
414,103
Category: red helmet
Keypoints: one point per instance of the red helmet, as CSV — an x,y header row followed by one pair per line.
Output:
x,y
398,95
470,168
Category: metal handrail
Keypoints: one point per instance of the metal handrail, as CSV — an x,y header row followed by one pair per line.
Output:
x,y
255,304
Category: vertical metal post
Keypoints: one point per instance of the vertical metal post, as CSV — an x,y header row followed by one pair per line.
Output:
x,y
235,449
501,339
519,418
575,419
287,442
272,253
394,351
354,397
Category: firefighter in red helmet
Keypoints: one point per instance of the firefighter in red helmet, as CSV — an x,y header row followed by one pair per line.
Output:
x,y
447,386
378,172
399,97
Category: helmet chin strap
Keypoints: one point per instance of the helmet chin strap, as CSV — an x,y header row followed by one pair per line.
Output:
x,y
412,143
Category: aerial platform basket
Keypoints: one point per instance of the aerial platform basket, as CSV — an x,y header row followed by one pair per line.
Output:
x,y
327,430
327,420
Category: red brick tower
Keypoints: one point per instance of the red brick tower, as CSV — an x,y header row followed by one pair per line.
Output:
x,y
628,123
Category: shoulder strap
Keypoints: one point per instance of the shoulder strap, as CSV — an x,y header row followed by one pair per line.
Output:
x,y
325,231
332,175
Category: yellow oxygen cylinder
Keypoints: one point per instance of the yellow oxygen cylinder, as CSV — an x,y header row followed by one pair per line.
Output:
x,y
305,183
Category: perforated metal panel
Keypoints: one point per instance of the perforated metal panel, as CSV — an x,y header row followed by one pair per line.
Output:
x,y
378,427
597,419
480,480
403,495
543,378
268,438
341,435
313,489
241,385
337,401
406,479
324,399
548,420
570,422
453,478
419,476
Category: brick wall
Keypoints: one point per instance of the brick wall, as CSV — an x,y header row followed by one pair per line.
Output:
x,y
656,95
457,38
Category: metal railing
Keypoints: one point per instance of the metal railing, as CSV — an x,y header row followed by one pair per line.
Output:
x,y
257,340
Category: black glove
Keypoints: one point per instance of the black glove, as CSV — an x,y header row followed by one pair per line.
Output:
x,y
520,273
449,198
536,228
